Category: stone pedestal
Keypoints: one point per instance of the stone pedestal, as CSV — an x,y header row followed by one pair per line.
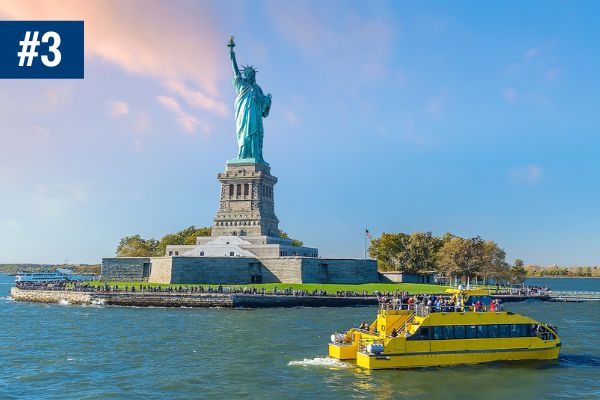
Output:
x,y
247,205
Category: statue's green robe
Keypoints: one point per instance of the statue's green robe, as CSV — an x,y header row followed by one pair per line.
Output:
x,y
251,105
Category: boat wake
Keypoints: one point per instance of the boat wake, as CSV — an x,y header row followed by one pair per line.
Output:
x,y
320,362
64,302
98,302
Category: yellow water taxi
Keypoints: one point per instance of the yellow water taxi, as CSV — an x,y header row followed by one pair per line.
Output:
x,y
466,327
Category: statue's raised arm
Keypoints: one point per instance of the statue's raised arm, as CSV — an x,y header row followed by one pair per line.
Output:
x,y
231,45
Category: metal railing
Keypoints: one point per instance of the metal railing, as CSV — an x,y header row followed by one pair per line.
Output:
x,y
576,293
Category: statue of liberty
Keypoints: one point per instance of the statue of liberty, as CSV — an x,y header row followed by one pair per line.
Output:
x,y
251,106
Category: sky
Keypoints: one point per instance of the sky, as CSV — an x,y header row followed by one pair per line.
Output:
x,y
476,118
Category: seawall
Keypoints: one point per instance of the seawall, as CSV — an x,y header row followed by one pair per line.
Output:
x,y
225,300
157,299
51,296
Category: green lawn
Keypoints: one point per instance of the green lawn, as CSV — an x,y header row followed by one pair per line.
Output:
x,y
330,288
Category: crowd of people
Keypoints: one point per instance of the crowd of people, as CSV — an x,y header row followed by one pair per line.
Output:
x,y
524,291
438,303
192,289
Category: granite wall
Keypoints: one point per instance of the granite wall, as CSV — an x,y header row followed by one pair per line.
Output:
x,y
239,270
214,270
130,269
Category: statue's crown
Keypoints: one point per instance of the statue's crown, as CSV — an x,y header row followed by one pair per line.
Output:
x,y
249,67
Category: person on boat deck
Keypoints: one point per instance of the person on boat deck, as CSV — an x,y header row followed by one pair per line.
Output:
x,y
364,326
394,333
493,306
374,329
477,306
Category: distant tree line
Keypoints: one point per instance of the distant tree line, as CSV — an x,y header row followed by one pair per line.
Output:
x,y
450,255
85,269
137,246
555,270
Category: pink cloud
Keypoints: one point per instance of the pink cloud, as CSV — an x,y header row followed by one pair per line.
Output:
x,y
118,108
147,38
196,98
187,121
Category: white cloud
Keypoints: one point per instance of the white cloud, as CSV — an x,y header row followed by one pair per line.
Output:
x,y
118,108
510,94
552,74
188,122
362,45
138,145
11,224
526,174
41,131
434,106
55,200
531,53
291,117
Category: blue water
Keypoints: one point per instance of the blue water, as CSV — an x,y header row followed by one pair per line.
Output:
x,y
73,352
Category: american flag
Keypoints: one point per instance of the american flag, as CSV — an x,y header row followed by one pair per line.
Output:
x,y
368,234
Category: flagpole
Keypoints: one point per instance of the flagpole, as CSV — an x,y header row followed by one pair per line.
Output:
x,y
365,233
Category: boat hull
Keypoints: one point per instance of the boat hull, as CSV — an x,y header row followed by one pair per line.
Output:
x,y
343,351
432,359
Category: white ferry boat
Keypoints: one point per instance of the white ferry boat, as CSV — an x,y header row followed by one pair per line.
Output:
x,y
60,275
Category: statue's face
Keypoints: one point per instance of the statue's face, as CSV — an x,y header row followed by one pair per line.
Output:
x,y
249,75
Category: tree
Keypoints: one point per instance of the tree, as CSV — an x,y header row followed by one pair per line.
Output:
x,y
519,263
136,246
184,236
494,263
446,237
461,257
295,242
390,251
421,251
407,253
518,273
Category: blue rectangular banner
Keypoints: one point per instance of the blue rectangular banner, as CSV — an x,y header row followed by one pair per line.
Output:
x,y
41,49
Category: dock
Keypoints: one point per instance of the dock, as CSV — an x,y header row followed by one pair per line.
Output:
x,y
574,296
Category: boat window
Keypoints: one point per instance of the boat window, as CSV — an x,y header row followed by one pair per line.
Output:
x,y
526,330
482,331
504,331
493,331
421,334
515,330
436,333
448,332
459,332
471,331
